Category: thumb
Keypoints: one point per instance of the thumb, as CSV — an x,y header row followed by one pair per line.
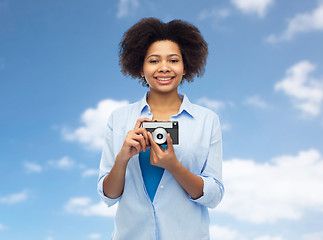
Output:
x,y
169,142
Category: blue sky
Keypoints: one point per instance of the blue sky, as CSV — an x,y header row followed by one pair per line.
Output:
x,y
60,79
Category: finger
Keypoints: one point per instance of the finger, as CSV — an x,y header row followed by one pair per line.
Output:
x,y
169,142
135,144
140,120
154,146
138,138
143,132
152,156
142,142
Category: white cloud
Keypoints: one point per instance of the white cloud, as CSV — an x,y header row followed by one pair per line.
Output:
x,y
33,167
2,226
211,103
14,198
94,120
94,236
301,23
126,6
224,233
279,189
258,7
268,238
216,106
214,13
226,127
83,206
305,91
64,163
90,173
313,236
215,16
256,101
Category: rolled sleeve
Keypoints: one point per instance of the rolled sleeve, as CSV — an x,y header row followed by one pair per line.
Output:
x,y
212,192
109,201
107,161
211,174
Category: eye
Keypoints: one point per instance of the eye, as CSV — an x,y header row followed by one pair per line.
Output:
x,y
153,61
174,60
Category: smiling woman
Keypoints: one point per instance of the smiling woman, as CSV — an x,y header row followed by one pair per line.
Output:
x,y
164,190
163,68
137,40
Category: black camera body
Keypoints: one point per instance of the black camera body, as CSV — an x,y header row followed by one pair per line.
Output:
x,y
159,130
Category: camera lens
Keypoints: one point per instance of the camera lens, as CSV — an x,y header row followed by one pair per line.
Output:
x,y
159,135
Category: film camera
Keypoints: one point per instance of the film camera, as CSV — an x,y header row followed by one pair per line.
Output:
x,y
159,130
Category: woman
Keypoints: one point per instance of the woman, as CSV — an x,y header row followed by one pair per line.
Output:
x,y
163,192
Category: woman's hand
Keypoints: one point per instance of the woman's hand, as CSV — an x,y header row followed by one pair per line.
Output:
x,y
163,158
135,141
167,159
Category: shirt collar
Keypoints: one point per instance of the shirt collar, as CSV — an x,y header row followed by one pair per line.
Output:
x,y
143,105
186,105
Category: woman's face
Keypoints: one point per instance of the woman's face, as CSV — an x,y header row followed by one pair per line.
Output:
x,y
163,66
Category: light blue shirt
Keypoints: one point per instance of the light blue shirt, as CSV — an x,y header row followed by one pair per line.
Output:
x,y
173,214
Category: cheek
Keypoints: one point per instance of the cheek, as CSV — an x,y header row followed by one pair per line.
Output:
x,y
147,70
180,71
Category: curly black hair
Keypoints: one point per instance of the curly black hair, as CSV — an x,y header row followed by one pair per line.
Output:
x,y
136,41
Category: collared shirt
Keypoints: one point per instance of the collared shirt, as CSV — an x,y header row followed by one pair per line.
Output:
x,y
173,214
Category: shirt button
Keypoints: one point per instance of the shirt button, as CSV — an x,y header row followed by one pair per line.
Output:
x,y
162,186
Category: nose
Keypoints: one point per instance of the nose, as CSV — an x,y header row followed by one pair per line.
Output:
x,y
164,67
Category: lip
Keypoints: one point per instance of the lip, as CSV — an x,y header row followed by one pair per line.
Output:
x,y
164,80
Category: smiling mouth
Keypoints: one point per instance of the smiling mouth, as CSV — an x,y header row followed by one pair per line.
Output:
x,y
164,78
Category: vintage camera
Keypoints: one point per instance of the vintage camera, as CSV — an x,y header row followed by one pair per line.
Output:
x,y
159,130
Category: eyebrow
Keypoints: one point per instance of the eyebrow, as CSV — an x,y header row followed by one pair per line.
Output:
x,y
170,55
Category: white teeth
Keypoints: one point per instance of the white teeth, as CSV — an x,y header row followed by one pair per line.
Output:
x,y
164,79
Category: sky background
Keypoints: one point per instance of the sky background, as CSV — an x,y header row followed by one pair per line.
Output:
x,y
60,80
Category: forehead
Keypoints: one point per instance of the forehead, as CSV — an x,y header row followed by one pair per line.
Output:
x,y
164,47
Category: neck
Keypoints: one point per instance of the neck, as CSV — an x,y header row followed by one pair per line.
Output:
x,y
164,101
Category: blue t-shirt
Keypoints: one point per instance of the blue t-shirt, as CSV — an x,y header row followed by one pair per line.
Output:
x,y
151,174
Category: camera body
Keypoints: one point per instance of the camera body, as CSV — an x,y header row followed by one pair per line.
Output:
x,y
159,130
